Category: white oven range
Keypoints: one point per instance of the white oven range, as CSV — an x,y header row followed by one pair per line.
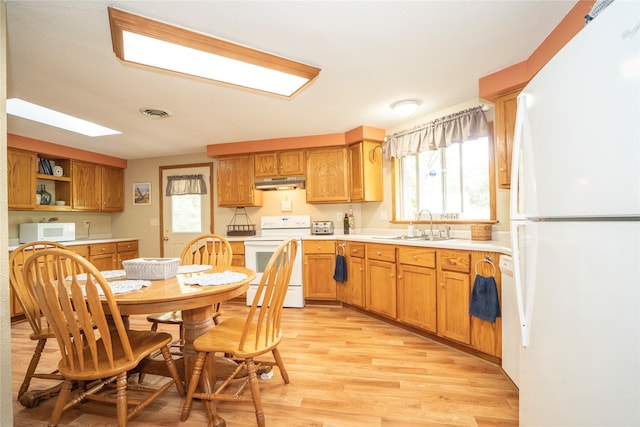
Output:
x,y
258,251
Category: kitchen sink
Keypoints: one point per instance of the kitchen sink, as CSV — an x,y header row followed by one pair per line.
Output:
x,y
404,237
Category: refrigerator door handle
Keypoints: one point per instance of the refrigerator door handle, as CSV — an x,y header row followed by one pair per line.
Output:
x,y
517,277
516,157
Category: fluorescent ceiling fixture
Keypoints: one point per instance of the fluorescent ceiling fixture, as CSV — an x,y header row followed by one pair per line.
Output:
x,y
406,107
29,111
143,41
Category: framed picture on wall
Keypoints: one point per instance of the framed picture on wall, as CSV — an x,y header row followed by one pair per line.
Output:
x,y
142,193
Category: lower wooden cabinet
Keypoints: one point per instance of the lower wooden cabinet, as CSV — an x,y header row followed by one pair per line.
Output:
x,y
319,261
380,294
126,250
237,248
352,290
417,288
454,292
105,256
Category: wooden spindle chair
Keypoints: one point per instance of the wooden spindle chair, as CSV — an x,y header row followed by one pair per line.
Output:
x,y
96,350
245,338
40,329
207,249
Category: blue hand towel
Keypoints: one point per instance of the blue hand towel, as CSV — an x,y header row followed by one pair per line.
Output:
x,y
340,274
484,299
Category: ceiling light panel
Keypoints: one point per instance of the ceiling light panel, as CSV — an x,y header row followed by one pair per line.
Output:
x,y
143,41
37,113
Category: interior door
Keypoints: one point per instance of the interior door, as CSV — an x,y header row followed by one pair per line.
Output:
x,y
185,217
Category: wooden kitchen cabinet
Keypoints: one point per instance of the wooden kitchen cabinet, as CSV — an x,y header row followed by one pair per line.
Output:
x,y
103,255
352,291
21,179
97,188
319,261
365,172
23,182
417,287
237,248
235,182
380,289
327,175
125,251
506,108
279,163
454,293
487,336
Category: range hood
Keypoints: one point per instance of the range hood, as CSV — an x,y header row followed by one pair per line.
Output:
x,y
280,183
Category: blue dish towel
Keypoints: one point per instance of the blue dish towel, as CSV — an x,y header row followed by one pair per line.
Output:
x,y
484,299
340,274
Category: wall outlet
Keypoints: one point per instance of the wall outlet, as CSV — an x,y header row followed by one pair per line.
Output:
x,y
87,223
285,205
339,216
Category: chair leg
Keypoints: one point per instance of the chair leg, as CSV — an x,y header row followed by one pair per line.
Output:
x,y
255,392
63,396
35,359
166,354
280,363
121,399
193,384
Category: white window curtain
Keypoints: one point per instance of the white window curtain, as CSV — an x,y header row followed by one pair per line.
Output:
x,y
178,185
462,126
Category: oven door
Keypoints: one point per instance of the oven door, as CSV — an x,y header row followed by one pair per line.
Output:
x,y
258,253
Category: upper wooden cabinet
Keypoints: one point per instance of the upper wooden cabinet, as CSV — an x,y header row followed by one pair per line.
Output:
x,y
327,175
506,107
235,181
97,188
82,186
365,172
21,179
279,163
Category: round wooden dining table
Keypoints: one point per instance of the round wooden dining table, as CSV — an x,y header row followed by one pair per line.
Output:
x,y
194,301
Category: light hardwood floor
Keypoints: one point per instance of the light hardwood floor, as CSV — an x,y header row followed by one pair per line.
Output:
x,y
346,369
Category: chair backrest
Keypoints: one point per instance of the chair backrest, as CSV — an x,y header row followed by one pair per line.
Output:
x,y
207,249
27,300
262,327
68,289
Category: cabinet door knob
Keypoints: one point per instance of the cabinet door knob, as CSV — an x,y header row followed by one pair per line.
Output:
x,y
415,258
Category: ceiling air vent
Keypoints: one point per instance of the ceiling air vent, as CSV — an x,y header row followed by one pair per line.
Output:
x,y
155,113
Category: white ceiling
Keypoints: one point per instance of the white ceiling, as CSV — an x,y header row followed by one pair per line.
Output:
x,y
372,53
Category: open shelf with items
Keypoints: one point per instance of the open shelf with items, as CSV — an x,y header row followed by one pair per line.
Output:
x,y
57,184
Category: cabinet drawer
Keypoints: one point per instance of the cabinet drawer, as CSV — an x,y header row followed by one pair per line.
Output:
x,y
131,245
454,261
417,256
319,246
102,248
381,252
355,250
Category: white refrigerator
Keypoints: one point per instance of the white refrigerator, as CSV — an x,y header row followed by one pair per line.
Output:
x,y
575,226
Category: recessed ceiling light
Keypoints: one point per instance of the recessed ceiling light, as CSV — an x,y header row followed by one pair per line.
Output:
x,y
405,107
37,113
143,41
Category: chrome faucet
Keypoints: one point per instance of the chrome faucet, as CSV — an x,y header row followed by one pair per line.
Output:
x,y
430,221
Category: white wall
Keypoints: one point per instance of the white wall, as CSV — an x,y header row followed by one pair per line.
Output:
x,y
6,405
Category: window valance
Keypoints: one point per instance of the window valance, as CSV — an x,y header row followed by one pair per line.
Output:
x,y
185,184
440,133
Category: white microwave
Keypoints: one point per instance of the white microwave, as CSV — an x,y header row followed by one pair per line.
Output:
x,y
49,231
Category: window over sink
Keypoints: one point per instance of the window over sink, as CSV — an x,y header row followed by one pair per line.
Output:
x,y
455,184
